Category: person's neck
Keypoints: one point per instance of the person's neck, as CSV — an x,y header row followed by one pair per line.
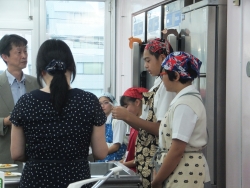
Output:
x,y
182,86
108,114
140,112
16,73
46,89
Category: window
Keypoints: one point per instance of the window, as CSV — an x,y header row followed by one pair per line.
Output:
x,y
89,68
81,25
95,42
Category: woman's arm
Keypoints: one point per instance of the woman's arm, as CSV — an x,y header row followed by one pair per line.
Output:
x,y
98,142
170,162
134,121
115,147
17,146
129,164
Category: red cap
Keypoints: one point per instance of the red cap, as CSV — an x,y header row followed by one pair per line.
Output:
x,y
135,92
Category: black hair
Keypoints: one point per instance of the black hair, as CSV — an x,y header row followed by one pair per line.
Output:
x,y
8,41
172,76
124,100
56,50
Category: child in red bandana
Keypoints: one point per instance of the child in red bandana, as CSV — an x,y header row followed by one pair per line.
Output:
x,y
132,101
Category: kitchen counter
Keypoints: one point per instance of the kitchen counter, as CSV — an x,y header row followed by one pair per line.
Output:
x,y
125,178
12,182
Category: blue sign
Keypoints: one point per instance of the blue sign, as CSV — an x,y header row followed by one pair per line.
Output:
x,y
153,24
169,20
177,18
173,19
138,28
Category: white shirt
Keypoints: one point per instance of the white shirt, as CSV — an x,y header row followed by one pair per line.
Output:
x,y
162,99
109,118
184,119
17,88
119,129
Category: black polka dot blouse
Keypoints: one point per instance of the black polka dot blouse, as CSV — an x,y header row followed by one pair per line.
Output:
x,y
57,145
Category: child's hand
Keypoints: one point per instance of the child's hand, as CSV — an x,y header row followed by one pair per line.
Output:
x,y
121,161
120,113
156,184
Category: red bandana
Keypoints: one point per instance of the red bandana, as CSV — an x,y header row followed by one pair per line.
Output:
x,y
135,92
158,45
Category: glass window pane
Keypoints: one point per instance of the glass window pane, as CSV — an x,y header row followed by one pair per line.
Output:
x,y
154,23
139,26
81,25
89,68
79,68
93,68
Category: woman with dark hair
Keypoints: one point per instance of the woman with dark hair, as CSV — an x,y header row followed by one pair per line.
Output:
x,y
53,127
155,105
179,161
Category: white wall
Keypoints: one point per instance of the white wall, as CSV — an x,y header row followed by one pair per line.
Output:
x,y
245,96
125,8
233,91
238,99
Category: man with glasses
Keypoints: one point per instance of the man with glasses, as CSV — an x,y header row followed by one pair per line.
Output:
x,y
13,84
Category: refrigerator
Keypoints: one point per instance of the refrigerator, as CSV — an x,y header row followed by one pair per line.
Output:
x,y
203,34
201,28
